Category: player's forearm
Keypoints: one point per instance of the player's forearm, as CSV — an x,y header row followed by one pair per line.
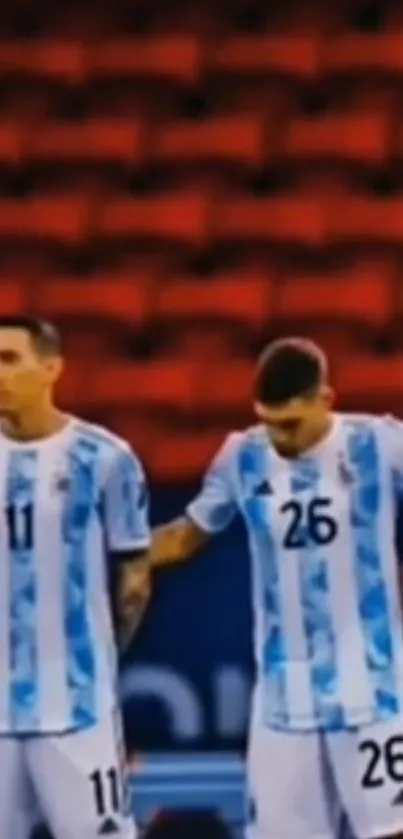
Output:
x,y
130,622
175,542
168,543
133,598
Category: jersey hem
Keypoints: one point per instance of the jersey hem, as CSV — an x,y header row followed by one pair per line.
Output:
x,y
62,729
142,544
210,531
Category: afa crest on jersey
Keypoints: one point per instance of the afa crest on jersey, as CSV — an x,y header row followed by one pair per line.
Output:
x,y
346,474
61,483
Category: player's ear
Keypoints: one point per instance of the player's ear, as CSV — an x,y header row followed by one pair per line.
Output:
x,y
328,396
54,367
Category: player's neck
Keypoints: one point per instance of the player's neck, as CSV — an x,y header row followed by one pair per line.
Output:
x,y
320,434
36,424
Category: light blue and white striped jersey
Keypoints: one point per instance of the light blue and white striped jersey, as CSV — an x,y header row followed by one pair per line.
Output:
x,y
321,530
66,502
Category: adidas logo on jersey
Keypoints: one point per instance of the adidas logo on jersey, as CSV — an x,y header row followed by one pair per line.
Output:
x,y
398,800
345,474
263,488
61,482
108,828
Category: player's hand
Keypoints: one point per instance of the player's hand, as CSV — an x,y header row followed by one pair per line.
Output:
x,y
133,596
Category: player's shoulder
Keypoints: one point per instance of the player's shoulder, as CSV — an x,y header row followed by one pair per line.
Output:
x,y
108,444
376,423
228,452
235,440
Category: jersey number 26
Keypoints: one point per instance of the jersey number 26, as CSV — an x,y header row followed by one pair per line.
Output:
x,y
308,524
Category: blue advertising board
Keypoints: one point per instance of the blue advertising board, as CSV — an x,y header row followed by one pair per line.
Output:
x,y
186,679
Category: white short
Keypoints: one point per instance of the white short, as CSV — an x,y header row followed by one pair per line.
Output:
x,y
73,782
304,786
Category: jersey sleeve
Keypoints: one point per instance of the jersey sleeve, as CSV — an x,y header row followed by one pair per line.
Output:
x,y
393,431
216,505
125,507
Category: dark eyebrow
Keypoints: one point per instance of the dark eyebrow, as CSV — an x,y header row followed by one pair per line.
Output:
x,y
286,423
9,352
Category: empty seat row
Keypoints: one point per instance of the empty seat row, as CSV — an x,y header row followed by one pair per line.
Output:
x,y
185,58
132,142
201,218
170,454
369,293
212,387
175,453
161,384
174,57
240,139
213,390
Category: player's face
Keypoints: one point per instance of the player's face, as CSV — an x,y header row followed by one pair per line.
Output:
x,y
294,427
25,375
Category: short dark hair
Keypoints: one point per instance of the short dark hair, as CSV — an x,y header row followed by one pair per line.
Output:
x,y
44,336
287,369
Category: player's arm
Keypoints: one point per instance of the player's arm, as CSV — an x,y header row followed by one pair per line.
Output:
x,y
393,429
177,541
127,534
393,432
209,513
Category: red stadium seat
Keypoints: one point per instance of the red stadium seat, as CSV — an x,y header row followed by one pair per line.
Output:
x,y
363,295
15,219
235,140
56,60
223,387
181,386
354,220
124,300
175,58
291,55
182,455
398,139
245,298
298,220
61,219
14,298
171,454
353,138
180,217
16,58
351,54
76,384
87,340
12,143
107,141
398,303
159,384
207,340
370,379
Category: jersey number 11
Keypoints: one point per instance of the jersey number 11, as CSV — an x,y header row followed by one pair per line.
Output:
x,y
20,526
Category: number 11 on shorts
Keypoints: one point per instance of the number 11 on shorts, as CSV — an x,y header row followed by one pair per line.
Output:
x,y
106,790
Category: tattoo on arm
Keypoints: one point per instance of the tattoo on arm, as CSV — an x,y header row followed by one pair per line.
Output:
x,y
132,594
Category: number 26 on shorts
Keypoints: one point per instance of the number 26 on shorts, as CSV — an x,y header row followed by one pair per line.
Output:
x,y
383,761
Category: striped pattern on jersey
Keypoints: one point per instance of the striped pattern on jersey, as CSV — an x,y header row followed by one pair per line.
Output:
x,y
328,641
65,503
321,530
